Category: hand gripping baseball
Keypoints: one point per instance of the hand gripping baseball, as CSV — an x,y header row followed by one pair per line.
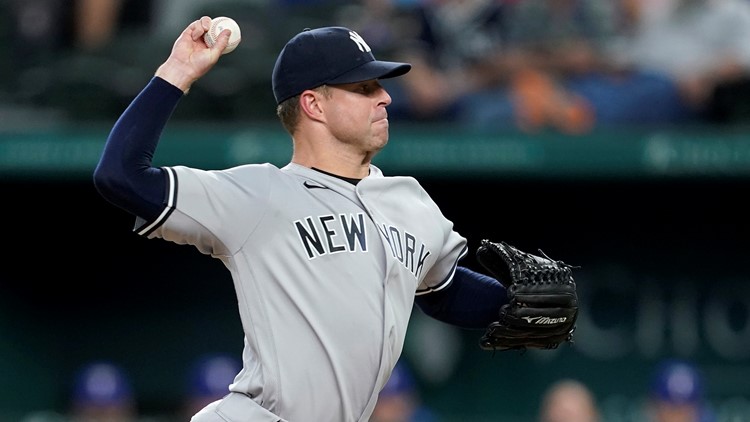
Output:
x,y
543,303
191,58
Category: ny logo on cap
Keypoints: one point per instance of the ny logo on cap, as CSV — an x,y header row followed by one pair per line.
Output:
x,y
361,44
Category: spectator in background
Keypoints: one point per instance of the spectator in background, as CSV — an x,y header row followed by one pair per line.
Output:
x,y
549,43
96,22
400,401
565,73
208,381
677,394
704,46
449,43
43,28
385,24
39,29
568,400
102,393
531,65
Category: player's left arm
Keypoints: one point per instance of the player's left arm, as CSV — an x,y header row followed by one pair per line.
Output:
x,y
471,300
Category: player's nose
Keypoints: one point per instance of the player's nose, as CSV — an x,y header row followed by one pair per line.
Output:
x,y
384,97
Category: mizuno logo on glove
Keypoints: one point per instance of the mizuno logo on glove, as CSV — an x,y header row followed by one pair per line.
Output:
x,y
543,320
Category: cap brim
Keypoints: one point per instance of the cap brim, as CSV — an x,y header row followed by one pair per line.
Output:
x,y
376,69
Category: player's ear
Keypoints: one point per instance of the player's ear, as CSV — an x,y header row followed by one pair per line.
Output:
x,y
310,103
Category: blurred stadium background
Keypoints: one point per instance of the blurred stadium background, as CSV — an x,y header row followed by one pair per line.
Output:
x,y
656,217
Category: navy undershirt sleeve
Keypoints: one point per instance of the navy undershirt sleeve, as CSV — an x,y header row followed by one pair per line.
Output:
x,y
124,175
472,300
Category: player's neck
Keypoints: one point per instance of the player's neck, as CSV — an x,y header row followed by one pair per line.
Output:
x,y
323,151
351,180
336,163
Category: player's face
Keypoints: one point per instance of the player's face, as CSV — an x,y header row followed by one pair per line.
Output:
x,y
357,115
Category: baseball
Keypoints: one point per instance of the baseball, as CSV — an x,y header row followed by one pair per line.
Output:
x,y
219,24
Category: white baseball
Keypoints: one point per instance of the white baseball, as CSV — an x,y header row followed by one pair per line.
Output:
x,y
219,24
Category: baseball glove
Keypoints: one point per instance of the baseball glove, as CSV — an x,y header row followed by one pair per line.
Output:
x,y
543,304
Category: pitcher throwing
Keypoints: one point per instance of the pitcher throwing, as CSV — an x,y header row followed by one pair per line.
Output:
x,y
327,253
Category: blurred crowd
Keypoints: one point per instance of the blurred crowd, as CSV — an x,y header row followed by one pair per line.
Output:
x,y
564,65
675,393
103,391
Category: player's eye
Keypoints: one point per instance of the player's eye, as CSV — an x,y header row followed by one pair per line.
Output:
x,y
368,88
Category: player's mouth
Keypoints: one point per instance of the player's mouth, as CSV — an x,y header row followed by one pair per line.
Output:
x,y
382,122
383,119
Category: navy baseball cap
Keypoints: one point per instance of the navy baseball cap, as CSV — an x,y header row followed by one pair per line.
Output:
x,y
329,55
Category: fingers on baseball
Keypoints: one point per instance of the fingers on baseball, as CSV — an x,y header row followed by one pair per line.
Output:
x,y
195,30
199,28
222,40
205,23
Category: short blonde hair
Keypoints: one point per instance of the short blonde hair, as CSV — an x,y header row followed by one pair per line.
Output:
x,y
289,110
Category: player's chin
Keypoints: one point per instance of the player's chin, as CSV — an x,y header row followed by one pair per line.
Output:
x,y
380,128
378,140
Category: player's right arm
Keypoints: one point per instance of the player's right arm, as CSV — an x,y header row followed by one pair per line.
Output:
x,y
124,174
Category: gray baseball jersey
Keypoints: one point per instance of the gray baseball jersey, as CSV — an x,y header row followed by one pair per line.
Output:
x,y
325,274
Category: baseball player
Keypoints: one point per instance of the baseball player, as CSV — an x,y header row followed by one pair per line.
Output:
x,y
327,253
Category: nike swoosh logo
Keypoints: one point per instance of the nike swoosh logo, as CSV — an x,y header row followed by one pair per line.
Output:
x,y
313,186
